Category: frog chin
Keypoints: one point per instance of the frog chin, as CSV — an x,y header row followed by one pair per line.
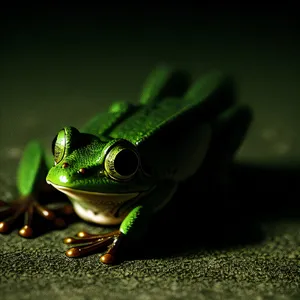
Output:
x,y
99,208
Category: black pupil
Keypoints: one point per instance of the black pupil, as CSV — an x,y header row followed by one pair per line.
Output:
x,y
126,162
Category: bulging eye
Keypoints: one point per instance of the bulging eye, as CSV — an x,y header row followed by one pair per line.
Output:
x,y
121,163
59,146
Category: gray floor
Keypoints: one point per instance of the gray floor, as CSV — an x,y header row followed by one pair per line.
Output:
x,y
51,77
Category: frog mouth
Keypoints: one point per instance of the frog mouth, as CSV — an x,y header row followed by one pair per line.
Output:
x,y
102,196
101,208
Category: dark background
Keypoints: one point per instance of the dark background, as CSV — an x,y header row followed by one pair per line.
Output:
x,y
60,64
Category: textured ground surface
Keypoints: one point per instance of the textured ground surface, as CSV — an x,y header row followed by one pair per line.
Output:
x,y
269,270
248,248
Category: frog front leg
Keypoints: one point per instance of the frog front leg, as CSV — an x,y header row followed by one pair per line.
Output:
x,y
30,182
133,227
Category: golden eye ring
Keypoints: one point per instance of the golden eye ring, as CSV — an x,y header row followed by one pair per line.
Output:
x,y
121,163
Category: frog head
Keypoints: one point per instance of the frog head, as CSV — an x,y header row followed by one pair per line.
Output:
x,y
95,172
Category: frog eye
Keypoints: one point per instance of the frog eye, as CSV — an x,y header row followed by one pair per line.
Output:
x,y
59,146
121,163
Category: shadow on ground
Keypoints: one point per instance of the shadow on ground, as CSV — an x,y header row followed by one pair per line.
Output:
x,y
211,216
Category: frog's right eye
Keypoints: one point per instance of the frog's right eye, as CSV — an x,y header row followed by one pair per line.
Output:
x,y
59,146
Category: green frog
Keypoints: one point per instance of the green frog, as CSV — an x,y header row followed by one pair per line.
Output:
x,y
126,164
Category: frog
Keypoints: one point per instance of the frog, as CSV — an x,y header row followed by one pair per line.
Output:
x,y
126,163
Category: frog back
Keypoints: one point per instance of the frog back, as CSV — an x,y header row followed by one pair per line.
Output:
x,y
173,134
170,126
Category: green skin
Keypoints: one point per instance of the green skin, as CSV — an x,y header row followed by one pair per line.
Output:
x,y
126,163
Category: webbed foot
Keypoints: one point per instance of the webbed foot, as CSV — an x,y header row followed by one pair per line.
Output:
x,y
93,242
28,206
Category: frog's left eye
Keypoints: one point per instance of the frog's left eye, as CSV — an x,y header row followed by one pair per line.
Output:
x,y
121,162
59,146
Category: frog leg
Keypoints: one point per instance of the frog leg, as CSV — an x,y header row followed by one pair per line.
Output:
x,y
30,182
163,82
229,131
133,225
132,228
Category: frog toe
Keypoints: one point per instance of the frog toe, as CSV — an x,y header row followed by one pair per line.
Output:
x,y
10,214
26,231
91,243
28,207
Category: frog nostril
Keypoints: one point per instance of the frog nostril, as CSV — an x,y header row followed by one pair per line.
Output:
x,y
82,171
65,165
